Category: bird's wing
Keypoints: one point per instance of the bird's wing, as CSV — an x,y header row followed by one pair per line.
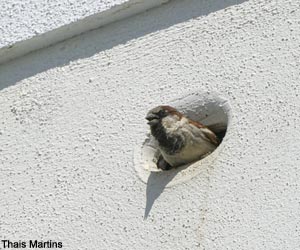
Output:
x,y
209,135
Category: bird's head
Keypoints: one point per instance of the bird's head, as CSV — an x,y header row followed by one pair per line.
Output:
x,y
155,115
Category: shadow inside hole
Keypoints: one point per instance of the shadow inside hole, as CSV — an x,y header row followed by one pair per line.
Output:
x,y
219,133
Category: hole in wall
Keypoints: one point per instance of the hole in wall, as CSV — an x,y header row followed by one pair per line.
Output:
x,y
208,108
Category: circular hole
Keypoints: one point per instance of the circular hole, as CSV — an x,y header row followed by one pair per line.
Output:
x,y
207,108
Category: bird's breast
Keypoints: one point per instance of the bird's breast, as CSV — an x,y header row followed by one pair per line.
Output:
x,y
194,149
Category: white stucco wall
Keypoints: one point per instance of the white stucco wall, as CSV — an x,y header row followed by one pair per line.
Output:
x,y
21,20
34,24
72,114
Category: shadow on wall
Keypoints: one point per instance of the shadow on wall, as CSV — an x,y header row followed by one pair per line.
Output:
x,y
90,43
156,184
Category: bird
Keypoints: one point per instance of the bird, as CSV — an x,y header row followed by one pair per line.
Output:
x,y
180,139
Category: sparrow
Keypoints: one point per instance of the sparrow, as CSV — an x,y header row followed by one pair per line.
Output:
x,y
180,139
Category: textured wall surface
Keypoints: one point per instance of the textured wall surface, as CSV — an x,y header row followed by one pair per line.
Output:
x,y
71,115
33,24
21,20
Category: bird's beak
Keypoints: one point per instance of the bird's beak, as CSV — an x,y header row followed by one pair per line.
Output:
x,y
152,118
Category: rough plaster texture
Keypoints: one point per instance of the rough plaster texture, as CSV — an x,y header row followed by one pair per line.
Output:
x,y
21,20
71,115
33,24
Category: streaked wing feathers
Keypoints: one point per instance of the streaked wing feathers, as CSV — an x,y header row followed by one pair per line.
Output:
x,y
207,132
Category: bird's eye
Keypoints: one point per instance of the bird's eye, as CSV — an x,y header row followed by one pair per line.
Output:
x,y
161,112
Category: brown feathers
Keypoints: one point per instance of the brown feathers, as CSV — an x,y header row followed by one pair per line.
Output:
x,y
180,139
